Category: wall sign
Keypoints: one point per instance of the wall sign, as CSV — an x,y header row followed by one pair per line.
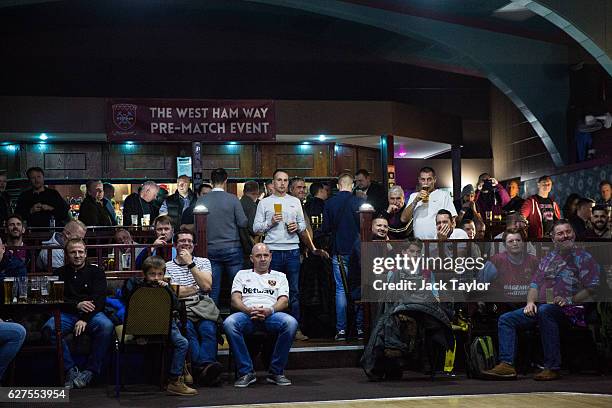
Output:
x,y
190,120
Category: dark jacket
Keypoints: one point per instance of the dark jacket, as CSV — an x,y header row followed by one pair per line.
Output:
x,y
531,212
388,333
250,209
174,203
10,265
48,196
134,205
377,197
87,283
341,220
93,213
133,283
579,226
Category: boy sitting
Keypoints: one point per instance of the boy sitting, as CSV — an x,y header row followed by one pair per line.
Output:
x,y
154,269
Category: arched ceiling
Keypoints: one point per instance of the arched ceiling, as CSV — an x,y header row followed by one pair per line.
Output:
x,y
315,49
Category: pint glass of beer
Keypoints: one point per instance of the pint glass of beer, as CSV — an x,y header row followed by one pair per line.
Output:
x,y
8,285
58,291
278,208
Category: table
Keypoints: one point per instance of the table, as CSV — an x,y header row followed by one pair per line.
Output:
x,y
55,309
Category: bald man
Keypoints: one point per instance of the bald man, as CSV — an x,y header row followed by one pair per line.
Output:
x,y
74,229
260,295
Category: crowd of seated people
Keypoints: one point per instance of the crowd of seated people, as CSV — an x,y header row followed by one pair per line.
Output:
x,y
283,229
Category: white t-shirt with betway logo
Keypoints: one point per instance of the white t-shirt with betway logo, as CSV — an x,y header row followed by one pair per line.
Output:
x,y
260,290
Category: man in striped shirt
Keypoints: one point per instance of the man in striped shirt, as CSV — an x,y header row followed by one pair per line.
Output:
x,y
194,276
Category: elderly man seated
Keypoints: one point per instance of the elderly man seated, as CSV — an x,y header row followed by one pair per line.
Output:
x,y
260,295
73,229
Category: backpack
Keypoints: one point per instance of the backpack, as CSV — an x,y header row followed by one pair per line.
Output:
x,y
480,356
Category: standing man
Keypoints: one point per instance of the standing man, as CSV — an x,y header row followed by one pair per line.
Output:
x,y
109,201
341,220
605,189
175,205
398,228
516,201
141,203
85,288
260,296
281,219
194,276
249,201
565,278
314,209
424,205
93,211
580,220
38,205
540,210
370,191
225,218
491,195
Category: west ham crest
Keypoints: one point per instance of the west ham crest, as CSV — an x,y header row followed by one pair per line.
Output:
x,y
124,116
272,282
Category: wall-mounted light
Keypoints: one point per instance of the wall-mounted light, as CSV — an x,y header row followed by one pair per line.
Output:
x,y
322,138
233,143
402,154
43,136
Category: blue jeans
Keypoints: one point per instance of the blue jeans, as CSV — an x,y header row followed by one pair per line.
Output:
x,y
202,338
181,345
288,262
341,296
548,318
239,324
99,328
12,336
228,260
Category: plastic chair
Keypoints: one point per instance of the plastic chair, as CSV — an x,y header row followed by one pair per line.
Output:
x,y
148,316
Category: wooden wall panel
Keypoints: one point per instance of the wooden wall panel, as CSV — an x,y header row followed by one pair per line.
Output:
x,y
345,159
238,160
369,159
299,160
517,150
65,161
155,162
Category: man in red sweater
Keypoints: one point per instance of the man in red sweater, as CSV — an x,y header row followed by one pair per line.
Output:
x,y
540,210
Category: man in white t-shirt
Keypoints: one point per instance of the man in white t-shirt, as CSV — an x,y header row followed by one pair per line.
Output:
x,y
424,205
260,294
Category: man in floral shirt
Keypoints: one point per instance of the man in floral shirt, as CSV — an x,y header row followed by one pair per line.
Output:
x,y
565,277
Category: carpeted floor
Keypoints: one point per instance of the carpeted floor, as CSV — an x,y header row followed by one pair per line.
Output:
x,y
339,384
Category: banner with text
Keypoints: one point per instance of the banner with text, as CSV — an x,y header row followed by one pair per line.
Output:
x,y
190,120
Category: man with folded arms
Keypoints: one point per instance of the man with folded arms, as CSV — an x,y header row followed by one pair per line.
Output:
x,y
260,295
85,288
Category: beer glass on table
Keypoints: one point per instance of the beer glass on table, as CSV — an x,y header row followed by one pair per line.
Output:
x,y
8,285
44,289
58,291
22,289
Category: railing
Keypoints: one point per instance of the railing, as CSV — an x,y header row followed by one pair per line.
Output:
x,y
95,235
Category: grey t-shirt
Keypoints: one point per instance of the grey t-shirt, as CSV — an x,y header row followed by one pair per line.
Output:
x,y
225,217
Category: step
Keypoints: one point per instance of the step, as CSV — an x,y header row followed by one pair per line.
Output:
x,y
314,353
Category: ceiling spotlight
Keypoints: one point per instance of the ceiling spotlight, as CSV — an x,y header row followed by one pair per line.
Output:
x,y
43,136
322,138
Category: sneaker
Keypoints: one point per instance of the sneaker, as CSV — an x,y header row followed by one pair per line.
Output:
x,y
71,375
341,336
178,387
210,374
83,379
278,379
360,334
188,378
502,371
547,375
300,336
245,380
